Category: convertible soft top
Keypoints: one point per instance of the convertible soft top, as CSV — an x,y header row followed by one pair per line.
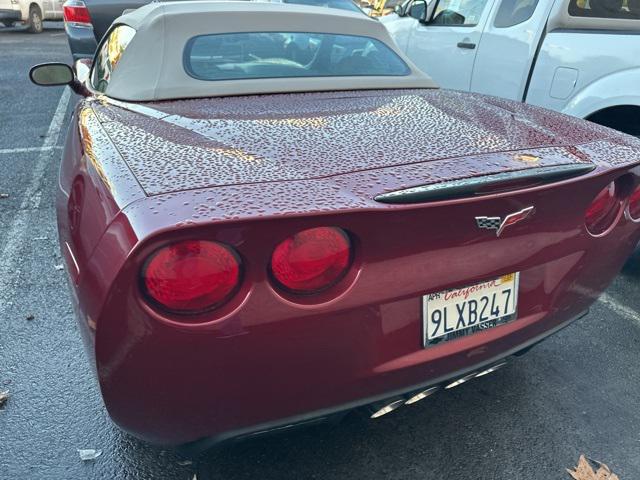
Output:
x,y
152,67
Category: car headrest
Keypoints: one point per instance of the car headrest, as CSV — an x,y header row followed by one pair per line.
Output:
x,y
634,7
604,8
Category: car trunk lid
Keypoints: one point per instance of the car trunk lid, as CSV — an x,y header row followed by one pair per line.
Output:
x,y
194,144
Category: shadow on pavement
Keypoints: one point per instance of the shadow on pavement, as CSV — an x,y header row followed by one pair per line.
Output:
x,y
22,29
632,267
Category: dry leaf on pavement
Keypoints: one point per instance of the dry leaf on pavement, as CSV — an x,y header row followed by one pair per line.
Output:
x,y
584,471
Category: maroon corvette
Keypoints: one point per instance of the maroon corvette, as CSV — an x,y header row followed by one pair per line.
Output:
x,y
265,225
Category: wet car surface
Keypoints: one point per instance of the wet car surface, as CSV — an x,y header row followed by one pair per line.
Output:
x,y
575,393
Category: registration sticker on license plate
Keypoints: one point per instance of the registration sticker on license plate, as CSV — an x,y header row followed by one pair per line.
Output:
x,y
463,311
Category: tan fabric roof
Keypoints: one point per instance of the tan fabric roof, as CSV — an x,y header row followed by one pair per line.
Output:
x,y
151,68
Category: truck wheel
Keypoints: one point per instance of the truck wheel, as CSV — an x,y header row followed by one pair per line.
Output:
x,y
8,23
35,19
625,118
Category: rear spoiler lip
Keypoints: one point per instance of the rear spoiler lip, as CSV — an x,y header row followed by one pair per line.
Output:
x,y
467,187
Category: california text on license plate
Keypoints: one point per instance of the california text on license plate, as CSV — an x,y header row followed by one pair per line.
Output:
x,y
462,311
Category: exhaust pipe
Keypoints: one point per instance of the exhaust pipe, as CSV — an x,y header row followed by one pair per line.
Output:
x,y
421,395
378,409
491,369
476,374
462,380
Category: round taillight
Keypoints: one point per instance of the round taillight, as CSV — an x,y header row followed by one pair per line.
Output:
x,y
311,260
191,276
603,211
634,204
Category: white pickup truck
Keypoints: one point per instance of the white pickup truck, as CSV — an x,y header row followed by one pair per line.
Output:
x,y
30,12
580,57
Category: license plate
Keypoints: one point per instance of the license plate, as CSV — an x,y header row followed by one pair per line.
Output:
x,y
463,311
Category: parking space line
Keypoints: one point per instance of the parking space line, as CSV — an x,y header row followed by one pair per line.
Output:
x,y
31,199
622,310
29,149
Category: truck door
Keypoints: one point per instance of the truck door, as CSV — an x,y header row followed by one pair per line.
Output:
x,y
509,43
445,46
57,5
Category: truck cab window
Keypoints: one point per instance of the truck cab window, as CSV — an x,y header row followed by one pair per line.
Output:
x,y
625,9
458,12
514,12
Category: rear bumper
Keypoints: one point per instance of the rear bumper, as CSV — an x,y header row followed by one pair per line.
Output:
x,y
328,414
13,15
180,390
82,41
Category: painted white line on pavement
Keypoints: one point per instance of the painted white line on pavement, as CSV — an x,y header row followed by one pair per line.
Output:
x,y
29,149
17,229
622,310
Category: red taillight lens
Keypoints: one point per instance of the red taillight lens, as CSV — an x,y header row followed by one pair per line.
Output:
x,y
312,260
634,204
191,276
75,11
603,210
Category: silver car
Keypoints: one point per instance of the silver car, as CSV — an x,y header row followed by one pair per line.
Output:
x,y
29,12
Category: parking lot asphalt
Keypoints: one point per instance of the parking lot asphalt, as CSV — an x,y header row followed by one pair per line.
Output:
x,y
577,393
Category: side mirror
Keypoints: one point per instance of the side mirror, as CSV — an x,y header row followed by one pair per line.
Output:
x,y
51,74
418,10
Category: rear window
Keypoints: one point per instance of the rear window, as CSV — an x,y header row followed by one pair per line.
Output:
x,y
236,56
626,9
339,4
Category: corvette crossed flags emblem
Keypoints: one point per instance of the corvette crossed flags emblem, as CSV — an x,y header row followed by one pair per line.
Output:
x,y
498,224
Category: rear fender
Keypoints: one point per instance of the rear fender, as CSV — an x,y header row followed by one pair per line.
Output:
x,y
26,6
93,186
620,88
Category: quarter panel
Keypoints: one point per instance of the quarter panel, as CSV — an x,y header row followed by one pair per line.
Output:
x,y
94,184
612,58
620,88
